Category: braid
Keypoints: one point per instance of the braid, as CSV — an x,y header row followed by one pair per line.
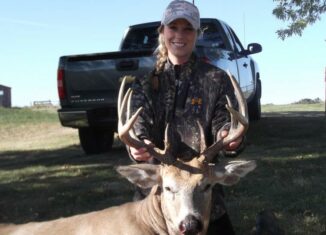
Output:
x,y
162,54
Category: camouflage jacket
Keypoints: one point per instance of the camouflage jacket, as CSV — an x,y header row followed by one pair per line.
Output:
x,y
182,95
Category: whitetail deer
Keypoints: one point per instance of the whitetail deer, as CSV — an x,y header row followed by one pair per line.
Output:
x,y
179,201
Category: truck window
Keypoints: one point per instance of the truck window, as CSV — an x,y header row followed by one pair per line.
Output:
x,y
233,46
211,37
212,41
236,40
140,39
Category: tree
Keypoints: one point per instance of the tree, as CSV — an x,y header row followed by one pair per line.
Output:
x,y
300,14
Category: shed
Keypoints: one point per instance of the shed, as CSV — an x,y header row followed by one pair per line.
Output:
x,y
5,96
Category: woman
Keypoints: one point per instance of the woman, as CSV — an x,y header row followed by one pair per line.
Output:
x,y
182,90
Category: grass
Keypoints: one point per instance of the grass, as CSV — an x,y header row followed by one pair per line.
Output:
x,y
45,175
318,107
32,129
289,146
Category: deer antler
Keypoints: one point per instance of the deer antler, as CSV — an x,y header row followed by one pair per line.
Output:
x,y
125,128
238,127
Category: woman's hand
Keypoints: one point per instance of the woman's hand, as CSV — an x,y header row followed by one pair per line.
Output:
x,y
141,154
232,145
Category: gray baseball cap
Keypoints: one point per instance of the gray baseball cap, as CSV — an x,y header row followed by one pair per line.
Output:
x,y
180,9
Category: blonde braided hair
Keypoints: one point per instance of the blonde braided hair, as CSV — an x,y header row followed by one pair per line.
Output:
x,y
162,53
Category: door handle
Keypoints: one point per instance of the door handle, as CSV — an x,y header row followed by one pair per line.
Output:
x,y
127,65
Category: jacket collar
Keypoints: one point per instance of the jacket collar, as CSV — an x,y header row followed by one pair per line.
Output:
x,y
188,65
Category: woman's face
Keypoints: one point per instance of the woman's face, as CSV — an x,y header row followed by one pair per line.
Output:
x,y
180,38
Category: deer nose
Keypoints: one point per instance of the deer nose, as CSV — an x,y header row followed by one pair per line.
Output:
x,y
190,225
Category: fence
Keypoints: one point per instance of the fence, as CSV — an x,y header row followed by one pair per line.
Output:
x,y
43,103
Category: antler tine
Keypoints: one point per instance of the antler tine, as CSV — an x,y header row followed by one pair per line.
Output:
x,y
169,159
120,97
125,127
203,145
239,122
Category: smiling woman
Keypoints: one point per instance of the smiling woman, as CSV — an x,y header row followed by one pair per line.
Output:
x,y
186,91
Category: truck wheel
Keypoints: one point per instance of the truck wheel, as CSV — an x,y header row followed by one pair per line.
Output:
x,y
95,141
254,106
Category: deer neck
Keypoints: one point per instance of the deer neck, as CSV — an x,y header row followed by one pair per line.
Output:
x,y
150,212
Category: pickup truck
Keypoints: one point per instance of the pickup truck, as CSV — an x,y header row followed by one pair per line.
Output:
x,y
88,84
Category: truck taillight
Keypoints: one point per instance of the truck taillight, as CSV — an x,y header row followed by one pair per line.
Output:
x,y
61,90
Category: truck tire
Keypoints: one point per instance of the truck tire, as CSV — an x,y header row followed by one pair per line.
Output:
x,y
95,141
254,106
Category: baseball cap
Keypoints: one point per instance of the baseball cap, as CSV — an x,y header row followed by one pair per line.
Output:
x,y
180,9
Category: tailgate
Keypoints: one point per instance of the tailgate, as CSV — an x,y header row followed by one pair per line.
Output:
x,y
95,79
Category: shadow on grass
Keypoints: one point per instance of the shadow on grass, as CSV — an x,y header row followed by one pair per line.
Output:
x,y
291,156
10,160
47,184
290,150
289,133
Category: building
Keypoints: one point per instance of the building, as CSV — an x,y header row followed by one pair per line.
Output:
x,y
5,96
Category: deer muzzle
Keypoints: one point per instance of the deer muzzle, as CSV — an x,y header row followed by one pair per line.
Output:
x,y
190,226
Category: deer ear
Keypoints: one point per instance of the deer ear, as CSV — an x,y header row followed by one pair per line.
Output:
x,y
231,172
142,175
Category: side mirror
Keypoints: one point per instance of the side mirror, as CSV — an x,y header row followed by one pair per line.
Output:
x,y
252,48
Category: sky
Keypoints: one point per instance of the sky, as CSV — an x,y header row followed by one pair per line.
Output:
x,y
35,33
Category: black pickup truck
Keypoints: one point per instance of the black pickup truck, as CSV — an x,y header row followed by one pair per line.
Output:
x,y
88,84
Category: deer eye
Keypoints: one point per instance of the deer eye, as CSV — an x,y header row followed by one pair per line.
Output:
x,y
168,189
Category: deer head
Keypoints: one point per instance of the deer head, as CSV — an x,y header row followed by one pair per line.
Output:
x,y
185,187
